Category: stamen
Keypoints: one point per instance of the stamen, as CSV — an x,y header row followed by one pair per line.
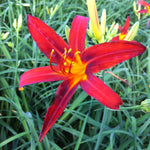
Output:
x,y
50,61
65,53
72,61
69,50
64,61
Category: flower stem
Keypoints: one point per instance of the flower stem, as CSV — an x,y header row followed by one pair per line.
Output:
x,y
101,129
127,108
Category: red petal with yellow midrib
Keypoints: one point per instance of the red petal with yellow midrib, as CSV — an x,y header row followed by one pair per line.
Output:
x,y
62,97
46,38
40,74
78,33
124,30
106,55
94,87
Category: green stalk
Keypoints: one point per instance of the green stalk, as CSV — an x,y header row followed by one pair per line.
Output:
x,y
16,69
101,129
130,108
83,128
148,67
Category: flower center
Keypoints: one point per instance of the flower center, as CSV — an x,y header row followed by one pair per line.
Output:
x,y
71,66
122,36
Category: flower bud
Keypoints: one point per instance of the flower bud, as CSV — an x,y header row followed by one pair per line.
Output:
x,y
145,105
10,44
94,20
132,33
4,35
19,22
103,21
15,24
67,31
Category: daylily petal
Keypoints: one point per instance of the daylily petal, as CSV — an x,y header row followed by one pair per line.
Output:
x,y
78,33
126,26
106,55
143,11
94,87
116,38
62,97
120,28
46,38
40,74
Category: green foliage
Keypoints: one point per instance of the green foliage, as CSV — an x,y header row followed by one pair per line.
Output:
x,y
85,123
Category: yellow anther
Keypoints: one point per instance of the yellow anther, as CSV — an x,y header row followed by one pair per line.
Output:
x,y
66,71
77,52
65,53
65,64
21,89
51,52
50,57
50,61
69,50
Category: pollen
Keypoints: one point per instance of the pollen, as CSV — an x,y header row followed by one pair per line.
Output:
x,y
71,65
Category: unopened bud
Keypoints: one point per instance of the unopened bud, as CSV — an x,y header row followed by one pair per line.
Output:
x,y
10,44
145,105
114,30
19,22
53,11
134,7
15,24
67,31
103,21
4,35
47,9
132,33
90,34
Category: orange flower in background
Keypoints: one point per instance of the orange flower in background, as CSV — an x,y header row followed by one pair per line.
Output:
x,y
75,65
146,7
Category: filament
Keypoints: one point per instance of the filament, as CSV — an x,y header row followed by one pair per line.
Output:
x,y
50,61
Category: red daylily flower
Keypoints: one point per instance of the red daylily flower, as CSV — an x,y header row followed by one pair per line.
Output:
x,y
146,5
75,65
123,31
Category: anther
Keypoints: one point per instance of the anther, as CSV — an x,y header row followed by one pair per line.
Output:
x,y
64,61
69,50
72,61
